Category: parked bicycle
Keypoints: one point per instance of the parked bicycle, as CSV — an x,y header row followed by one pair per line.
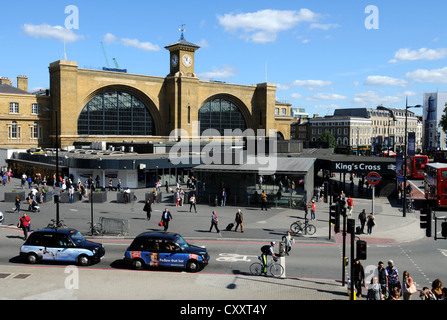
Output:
x,y
273,268
305,228
97,229
53,224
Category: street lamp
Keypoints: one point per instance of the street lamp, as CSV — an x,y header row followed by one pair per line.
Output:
x,y
405,158
57,162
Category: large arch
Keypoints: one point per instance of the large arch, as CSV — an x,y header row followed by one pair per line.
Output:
x,y
223,111
125,111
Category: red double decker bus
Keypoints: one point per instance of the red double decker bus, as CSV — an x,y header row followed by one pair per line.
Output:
x,y
416,166
435,184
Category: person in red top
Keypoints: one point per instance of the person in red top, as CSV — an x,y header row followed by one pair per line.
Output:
x,y
350,204
25,224
312,211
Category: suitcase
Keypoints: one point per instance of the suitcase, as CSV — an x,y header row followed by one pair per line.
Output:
x,y
358,230
230,226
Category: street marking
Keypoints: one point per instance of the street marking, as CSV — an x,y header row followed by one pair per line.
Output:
x,y
234,257
443,251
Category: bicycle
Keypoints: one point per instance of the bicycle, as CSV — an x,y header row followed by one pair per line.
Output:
x,y
306,228
410,205
273,268
97,229
53,224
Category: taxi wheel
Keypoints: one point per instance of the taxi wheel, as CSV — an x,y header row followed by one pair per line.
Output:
x,y
31,258
83,260
137,264
193,266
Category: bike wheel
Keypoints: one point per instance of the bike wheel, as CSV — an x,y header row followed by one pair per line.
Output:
x,y
256,269
295,227
276,270
310,229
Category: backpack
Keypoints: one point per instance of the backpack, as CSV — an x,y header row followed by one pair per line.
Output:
x,y
265,249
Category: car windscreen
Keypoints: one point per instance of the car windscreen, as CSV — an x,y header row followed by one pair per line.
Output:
x,y
181,242
77,238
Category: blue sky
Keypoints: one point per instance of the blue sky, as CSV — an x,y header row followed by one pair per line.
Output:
x,y
320,54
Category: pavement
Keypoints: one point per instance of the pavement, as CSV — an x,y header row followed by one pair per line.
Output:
x,y
53,283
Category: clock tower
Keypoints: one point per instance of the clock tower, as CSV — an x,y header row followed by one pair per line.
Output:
x,y
182,57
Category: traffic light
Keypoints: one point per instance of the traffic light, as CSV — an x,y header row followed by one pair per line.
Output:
x,y
335,217
361,250
426,221
444,229
350,226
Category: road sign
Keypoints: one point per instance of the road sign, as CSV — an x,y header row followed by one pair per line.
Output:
x,y
373,178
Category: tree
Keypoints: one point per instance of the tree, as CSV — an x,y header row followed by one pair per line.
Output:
x,y
329,138
443,120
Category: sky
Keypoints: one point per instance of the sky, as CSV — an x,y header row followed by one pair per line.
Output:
x,y
321,54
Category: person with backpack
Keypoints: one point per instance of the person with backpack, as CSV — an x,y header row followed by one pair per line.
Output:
x,y
267,250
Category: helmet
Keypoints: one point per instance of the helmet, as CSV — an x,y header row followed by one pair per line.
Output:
x,y
273,243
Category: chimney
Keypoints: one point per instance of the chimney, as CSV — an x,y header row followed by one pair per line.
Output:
x,y
22,83
4,80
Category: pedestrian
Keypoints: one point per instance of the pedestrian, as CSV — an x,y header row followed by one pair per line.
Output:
x,y
370,223
436,289
239,219
408,286
358,277
155,193
214,222
177,198
110,184
71,194
312,210
393,278
223,199
288,240
192,203
362,219
263,200
426,294
374,290
350,203
126,195
306,209
17,203
148,209
165,218
382,277
25,224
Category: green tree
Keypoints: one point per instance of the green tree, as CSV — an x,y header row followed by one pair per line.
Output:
x,y
443,121
328,137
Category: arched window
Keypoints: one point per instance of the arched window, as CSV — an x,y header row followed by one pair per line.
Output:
x,y
221,114
115,113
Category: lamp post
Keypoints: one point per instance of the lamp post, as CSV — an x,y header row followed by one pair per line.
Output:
x,y
404,211
56,144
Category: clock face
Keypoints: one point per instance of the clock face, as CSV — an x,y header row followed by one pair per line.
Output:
x,y
174,60
187,60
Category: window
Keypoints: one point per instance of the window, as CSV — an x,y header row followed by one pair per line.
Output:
x,y
283,111
221,114
276,111
13,107
14,131
115,113
35,108
35,131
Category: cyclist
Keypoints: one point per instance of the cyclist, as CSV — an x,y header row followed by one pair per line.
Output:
x,y
267,250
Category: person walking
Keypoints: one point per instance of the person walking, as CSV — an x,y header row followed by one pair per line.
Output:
x,y
223,199
192,203
407,283
436,289
370,223
358,277
263,200
288,242
362,219
165,218
382,277
312,210
350,203
214,222
25,224
148,209
239,219
17,203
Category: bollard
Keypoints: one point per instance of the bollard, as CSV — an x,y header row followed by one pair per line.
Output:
x,y
282,249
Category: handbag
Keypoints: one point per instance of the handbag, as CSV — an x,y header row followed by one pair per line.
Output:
x,y
160,223
412,289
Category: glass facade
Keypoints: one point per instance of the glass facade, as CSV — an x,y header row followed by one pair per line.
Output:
x,y
221,114
115,113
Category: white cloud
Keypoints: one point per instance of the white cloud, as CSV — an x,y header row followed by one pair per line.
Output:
x,y
220,73
264,25
429,76
326,96
372,98
422,54
324,26
51,32
309,84
109,38
146,46
384,81
296,95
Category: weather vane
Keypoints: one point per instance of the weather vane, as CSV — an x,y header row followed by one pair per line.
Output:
x,y
182,29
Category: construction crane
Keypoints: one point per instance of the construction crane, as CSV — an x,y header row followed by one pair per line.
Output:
x,y
116,63
105,56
